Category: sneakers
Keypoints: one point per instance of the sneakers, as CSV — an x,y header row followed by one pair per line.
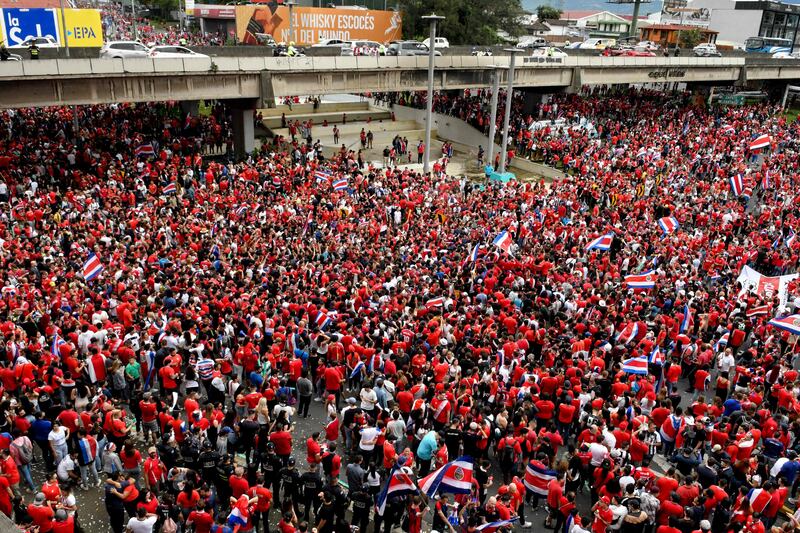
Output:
x,y
527,524
83,486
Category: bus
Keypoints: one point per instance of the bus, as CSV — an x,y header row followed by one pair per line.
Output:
x,y
767,45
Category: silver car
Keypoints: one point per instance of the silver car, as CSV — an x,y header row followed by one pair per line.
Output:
x,y
123,50
409,48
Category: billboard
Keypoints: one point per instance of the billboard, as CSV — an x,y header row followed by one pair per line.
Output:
x,y
83,26
312,24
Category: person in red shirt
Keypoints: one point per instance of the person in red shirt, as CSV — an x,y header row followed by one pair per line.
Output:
x,y
201,519
187,499
333,382
263,504
64,523
313,449
41,514
149,411
602,515
6,495
283,442
238,483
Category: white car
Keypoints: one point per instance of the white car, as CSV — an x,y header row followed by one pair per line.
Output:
x,y
595,43
440,42
548,51
123,50
706,50
41,42
650,46
786,55
330,42
173,52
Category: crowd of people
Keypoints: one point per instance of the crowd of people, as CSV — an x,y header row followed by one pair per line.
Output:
x,y
580,355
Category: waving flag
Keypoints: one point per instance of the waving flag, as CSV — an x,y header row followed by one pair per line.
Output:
x,y
766,182
503,241
668,225
789,323
146,150
645,280
340,185
601,243
628,333
241,210
435,302
322,176
454,477
687,317
494,526
92,267
170,188
722,342
323,320
399,483
759,499
55,347
656,357
791,240
762,141
357,370
473,255
537,476
737,184
635,365
9,290
760,310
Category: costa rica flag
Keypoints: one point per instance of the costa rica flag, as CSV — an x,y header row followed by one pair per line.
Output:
x,y
635,365
92,267
790,323
737,184
170,188
537,476
435,302
340,185
645,280
399,483
668,225
601,243
628,333
454,477
504,242
762,141
760,310
146,150
322,176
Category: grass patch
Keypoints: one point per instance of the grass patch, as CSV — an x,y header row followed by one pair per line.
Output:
x,y
791,114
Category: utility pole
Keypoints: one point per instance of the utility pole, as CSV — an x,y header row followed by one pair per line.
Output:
x,y
507,114
433,19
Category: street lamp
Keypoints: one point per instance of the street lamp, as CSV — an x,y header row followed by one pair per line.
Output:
x,y
133,16
507,114
493,118
433,19
291,5
64,26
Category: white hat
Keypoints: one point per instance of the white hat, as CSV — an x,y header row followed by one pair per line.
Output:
x,y
705,524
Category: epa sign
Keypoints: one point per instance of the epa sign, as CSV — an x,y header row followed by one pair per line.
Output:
x,y
23,24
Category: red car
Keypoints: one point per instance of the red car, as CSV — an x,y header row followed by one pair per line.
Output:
x,y
627,52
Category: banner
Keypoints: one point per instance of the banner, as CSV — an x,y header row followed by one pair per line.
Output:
x,y
189,7
312,24
765,286
84,28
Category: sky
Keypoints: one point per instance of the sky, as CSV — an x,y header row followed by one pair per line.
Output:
x,y
589,5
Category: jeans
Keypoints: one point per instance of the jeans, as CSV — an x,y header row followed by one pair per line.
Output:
x,y
61,452
25,472
89,469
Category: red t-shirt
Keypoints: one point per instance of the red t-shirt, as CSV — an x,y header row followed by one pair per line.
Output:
x,y
148,410
188,501
202,521
42,516
282,441
239,485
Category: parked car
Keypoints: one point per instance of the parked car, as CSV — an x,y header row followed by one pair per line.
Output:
x,y
624,51
41,42
360,48
595,43
173,52
650,46
441,42
786,55
409,48
548,51
536,42
706,50
265,39
123,50
482,51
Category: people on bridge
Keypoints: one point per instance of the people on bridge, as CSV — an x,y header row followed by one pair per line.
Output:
x,y
33,49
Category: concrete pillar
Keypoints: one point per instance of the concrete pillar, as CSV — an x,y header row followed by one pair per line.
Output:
x,y
244,138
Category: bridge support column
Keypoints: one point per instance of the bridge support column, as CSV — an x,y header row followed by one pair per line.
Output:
x,y
244,138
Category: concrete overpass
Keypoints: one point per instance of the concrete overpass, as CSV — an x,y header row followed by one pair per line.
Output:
x,y
259,80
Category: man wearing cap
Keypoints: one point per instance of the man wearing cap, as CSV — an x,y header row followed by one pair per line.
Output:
x,y
603,516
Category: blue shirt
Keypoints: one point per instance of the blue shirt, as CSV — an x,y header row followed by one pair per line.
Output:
x,y
789,470
40,429
731,405
427,446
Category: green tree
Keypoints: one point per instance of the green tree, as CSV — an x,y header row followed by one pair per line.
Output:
x,y
465,22
690,38
545,12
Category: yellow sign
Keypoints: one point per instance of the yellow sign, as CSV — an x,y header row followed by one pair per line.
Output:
x,y
84,29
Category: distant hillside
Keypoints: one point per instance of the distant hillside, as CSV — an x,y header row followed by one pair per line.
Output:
x,y
589,5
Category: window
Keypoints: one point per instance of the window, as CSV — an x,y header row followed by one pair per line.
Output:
x,y
766,18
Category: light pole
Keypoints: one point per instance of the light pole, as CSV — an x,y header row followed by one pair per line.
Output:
x,y
493,118
433,19
507,114
133,16
291,5
64,26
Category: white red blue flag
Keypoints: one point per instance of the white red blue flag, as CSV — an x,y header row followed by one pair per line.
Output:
x,y
759,310
454,477
668,225
92,267
537,477
170,188
503,241
635,365
241,210
628,333
656,357
357,370
340,185
791,240
603,243
737,184
146,150
645,280
435,302
790,323
759,499
473,255
722,342
323,320
322,176
55,347
399,483
762,141
489,527
687,318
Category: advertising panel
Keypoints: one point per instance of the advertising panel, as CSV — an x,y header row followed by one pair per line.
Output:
x,y
312,25
84,28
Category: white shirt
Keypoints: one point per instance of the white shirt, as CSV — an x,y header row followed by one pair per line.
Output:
x,y
58,438
368,399
65,467
726,362
368,437
776,468
599,453
142,526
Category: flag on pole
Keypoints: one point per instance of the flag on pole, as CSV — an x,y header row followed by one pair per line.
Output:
x,y
790,323
58,342
762,141
322,176
170,188
399,483
92,267
737,184
340,185
503,241
473,255
601,243
435,302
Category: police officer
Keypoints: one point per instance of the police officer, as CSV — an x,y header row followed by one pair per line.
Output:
x,y
312,485
224,470
183,41
208,461
271,468
291,51
362,502
290,484
34,50
382,49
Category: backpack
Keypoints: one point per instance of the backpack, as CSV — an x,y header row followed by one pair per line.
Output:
x,y
508,452
25,453
169,526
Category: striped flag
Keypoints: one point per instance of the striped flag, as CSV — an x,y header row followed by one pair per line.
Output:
x,y
757,311
645,280
602,243
737,184
170,188
635,365
241,210
537,476
721,343
790,323
323,177
494,526
92,267
687,317
762,141
656,357
340,185
323,320
454,477
357,370
668,225
145,150
473,255
399,483
503,241
55,347
791,240
628,333
435,302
